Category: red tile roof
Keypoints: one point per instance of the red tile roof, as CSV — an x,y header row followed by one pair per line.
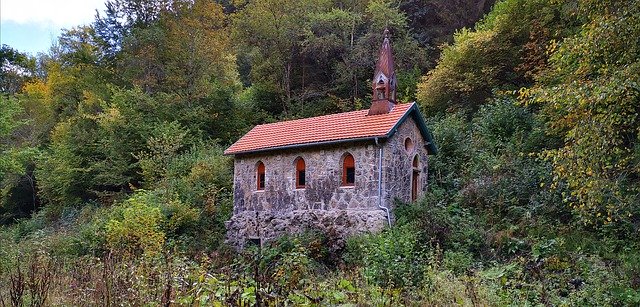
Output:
x,y
321,129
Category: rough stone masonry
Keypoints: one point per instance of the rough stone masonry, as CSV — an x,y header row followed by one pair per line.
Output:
x,y
324,204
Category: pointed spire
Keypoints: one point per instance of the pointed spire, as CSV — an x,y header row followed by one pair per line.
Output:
x,y
385,58
384,80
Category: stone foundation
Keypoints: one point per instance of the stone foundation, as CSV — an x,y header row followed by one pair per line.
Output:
x,y
272,224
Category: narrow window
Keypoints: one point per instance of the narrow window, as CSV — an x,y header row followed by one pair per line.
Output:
x,y
415,178
300,174
348,170
380,90
260,176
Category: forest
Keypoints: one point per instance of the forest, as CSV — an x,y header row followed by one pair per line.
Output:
x,y
114,189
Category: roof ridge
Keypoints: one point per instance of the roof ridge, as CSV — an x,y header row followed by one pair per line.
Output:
x,y
333,114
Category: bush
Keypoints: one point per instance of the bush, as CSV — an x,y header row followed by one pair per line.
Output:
x,y
449,228
138,228
394,258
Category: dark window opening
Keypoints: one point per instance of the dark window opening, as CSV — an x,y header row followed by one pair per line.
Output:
x,y
260,176
414,185
351,175
301,181
348,170
300,174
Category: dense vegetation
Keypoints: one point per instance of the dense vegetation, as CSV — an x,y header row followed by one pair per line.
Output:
x,y
114,190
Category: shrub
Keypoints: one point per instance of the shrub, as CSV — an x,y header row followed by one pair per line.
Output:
x,y
138,229
451,227
393,258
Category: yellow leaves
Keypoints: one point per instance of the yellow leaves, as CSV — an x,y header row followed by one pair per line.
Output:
x,y
552,47
110,119
37,89
138,230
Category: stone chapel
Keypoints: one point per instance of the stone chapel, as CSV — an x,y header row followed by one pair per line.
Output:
x,y
340,173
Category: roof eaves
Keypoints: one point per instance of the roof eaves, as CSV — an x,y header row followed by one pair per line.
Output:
x,y
422,125
302,145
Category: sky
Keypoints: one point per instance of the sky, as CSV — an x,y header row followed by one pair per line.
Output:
x,y
31,26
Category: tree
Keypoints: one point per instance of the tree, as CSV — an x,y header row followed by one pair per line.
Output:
x,y
503,52
15,69
273,30
121,17
318,58
591,97
17,183
433,22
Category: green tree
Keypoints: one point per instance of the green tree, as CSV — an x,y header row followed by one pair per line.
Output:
x,y
502,52
15,69
272,32
17,182
591,97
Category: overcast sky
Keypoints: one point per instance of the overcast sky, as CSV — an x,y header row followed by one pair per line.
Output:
x,y
33,25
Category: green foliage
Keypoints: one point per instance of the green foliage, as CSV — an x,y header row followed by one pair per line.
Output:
x,y
502,52
447,228
503,123
164,144
467,71
392,259
591,98
16,68
139,228
10,109
17,183
454,149
317,59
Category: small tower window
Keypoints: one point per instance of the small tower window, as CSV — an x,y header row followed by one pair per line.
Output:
x,y
348,171
260,176
380,90
300,174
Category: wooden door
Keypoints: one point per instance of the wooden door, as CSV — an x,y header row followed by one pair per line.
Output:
x,y
414,185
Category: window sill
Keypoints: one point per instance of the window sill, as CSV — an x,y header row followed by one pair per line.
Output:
x,y
351,186
300,188
258,191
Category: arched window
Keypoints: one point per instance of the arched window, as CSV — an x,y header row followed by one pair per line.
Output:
x,y
415,178
300,174
348,170
260,176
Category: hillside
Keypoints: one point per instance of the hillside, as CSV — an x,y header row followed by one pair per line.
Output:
x,y
114,189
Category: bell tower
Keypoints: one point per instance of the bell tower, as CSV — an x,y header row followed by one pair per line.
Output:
x,y
384,80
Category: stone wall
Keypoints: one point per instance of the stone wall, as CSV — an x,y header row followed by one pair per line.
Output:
x,y
269,225
397,163
350,209
323,204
